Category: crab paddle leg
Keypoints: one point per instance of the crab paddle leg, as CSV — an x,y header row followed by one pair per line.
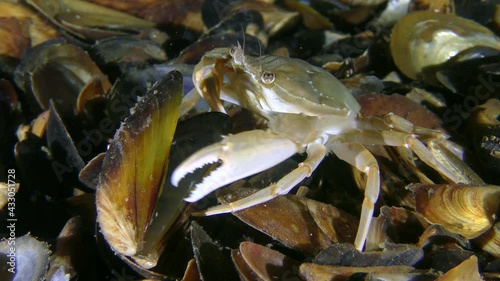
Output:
x,y
315,153
358,156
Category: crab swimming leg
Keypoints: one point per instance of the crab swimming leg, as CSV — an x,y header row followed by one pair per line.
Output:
x,y
359,157
393,138
315,154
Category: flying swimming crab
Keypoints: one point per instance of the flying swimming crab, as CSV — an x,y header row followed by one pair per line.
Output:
x,y
308,110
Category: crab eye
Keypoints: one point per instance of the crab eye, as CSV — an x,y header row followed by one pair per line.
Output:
x,y
267,77
232,51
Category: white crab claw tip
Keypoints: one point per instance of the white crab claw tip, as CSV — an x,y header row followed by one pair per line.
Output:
x,y
201,158
192,198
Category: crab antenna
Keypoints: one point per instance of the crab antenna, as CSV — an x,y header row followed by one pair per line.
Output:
x,y
260,48
243,31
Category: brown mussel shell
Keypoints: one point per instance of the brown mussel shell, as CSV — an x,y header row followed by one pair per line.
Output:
x,y
466,210
133,175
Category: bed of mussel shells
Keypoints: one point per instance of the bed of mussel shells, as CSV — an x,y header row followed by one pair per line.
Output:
x,y
91,125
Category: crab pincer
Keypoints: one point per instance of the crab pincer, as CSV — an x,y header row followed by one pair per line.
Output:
x,y
242,155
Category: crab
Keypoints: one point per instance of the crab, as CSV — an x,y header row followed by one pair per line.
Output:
x,y
307,110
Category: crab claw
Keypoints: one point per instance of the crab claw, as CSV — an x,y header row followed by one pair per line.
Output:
x,y
242,155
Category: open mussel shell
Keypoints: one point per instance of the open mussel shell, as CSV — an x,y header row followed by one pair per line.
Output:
x,y
118,55
306,236
74,249
394,224
88,20
436,235
466,210
21,25
134,84
421,33
60,72
482,63
252,260
205,249
484,125
490,241
133,175
64,152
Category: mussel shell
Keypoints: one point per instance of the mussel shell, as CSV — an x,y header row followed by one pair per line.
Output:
x,y
393,255
469,71
236,22
466,270
64,151
117,54
253,259
134,84
352,46
89,21
440,6
467,210
133,176
485,128
21,28
37,170
302,44
313,272
482,12
276,19
421,33
490,241
213,263
74,249
186,15
57,71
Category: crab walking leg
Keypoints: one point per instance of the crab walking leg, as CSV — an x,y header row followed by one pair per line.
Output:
x,y
358,156
391,121
393,138
189,101
315,153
